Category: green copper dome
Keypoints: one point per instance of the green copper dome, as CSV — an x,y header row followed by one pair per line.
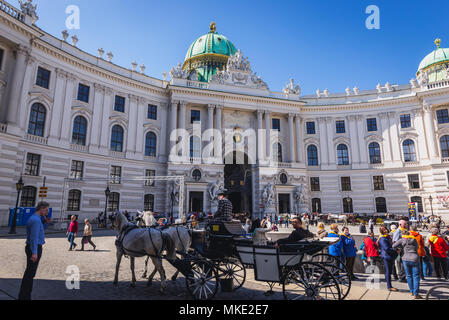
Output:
x,y
439,56
207,54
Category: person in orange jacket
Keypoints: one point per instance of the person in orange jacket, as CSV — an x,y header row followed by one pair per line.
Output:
x,y
438,250
421,251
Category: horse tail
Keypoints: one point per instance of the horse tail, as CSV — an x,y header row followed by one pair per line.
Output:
x,y
169,245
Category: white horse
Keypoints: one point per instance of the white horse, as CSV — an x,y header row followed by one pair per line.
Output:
x,y
146,219
138,242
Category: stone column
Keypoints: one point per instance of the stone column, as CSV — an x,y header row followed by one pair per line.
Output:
x,y
3,109
385,130
173,116
67,111
142,108
219,142
95,128
355,148
260,153
361,140
16,86
182,125
419,126
323,141
430,130
396,149
55,125
291,135
24,96
132,126
105,127
163,125
268,147
330,141
210,124
299,140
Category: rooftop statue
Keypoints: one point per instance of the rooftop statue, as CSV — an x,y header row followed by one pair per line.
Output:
x,y
238,62
28,8
291,88
178,73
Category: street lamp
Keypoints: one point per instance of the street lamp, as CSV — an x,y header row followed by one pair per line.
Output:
x,y
19,187
107,193
431,207
348,202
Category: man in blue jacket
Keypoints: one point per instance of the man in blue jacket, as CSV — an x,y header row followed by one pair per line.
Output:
x,y
335,249
33,249
349,251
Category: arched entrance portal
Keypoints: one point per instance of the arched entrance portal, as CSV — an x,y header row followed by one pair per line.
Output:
x,y
238,182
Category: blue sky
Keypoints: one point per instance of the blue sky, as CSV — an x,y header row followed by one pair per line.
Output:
x,y
321,44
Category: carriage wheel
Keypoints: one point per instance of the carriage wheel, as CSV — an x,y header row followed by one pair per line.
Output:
x,y
202,280
232,268
337,268
310,281
440,292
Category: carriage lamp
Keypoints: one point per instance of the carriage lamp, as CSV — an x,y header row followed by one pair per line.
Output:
x,y
107,193
431,207
19,187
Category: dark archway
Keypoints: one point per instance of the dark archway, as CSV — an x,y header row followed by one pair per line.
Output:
x,y
238,182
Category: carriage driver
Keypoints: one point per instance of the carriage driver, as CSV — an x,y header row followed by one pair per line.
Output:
x,y
224,212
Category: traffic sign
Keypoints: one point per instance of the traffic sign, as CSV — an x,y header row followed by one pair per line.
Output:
x,y
43,192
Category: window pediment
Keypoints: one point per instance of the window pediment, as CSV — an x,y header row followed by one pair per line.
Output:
x,y
83,110
374,138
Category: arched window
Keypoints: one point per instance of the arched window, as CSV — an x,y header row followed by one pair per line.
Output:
x,y
195,147
150,144
408,146
418,200
36,125
381,205
117,139
28,199
74,201
343,155
148,202
316,205
347,205
79,131
444,142
277,152
113,202
374,153
312,155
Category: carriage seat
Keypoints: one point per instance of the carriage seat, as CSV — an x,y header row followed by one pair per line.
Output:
x,y
227,228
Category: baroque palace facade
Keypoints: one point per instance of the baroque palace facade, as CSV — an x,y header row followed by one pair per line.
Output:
x,y
85,124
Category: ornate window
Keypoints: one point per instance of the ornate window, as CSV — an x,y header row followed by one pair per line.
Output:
x,y
117,139
340,126
150,144
310,127
148,202
418,200
277,152
28,198
2,52
76,171
79,131
152,112
406,121
374,153
413,181
444,143
312,155
408,147
74,200
345,183
443,116
32,164
371,124
116,175
83,93
36,124
347,205
119,105
149,182
378,183
381,205
43,78
315,184
195,147
195,116
114,202
343,155
276,124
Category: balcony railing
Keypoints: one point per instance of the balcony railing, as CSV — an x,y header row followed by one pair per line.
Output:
x,y
3,127
435,85
36,139
79,148
13,12
197,84
445,160
195,160
116,154
411,164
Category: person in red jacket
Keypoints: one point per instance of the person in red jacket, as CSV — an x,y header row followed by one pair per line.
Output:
x,y
438,250
71,233
371,250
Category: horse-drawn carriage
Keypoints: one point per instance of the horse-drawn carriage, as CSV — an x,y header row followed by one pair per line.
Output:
x,y
220,254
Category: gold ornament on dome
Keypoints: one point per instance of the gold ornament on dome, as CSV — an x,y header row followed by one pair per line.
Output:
x,y
438,42
213,27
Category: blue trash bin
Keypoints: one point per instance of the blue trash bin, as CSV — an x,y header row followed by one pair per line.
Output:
x,y
19,220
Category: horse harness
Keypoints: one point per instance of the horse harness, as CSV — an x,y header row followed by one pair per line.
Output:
x,y
129,228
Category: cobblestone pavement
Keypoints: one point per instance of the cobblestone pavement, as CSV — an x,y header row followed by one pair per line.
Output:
x,y
97,272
